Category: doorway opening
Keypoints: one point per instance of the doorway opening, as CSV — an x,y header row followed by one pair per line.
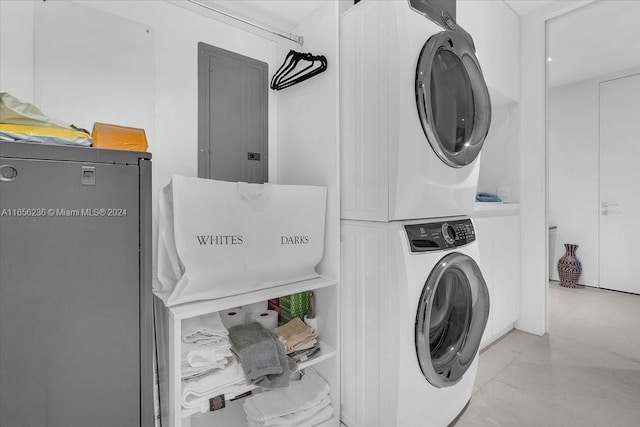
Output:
x,y
593,93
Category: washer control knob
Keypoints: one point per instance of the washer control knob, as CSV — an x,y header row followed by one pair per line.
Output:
x,y
449,233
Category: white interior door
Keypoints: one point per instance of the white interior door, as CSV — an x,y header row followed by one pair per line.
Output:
x,y
619,181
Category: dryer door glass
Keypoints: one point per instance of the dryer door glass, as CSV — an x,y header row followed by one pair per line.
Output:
x,y
452,98
451,101
452,314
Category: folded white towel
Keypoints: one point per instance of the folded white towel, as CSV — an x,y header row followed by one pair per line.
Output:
x,y
295,417
299,396
200,355
318,418
228,380
190,373
201,329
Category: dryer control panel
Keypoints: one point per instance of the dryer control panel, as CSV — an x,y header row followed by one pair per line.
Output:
x,y
437,236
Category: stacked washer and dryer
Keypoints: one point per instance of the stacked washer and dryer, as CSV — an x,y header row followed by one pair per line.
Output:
x,y
415,110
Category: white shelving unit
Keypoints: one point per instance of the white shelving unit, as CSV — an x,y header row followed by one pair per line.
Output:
x,y
168,333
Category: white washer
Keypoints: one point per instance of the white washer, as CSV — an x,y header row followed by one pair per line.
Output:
x,y
414,112
414,308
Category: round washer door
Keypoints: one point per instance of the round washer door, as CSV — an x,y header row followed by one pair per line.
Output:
x,y
452,315
452,98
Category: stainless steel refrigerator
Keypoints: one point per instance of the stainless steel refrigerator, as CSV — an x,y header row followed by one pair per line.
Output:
x,y
76,327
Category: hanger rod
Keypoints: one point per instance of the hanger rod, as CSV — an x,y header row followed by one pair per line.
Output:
x,y
263,27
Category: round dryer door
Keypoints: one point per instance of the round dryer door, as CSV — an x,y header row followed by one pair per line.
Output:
x,y
452,315
452,97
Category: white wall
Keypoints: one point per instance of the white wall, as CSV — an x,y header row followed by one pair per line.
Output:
x,y
308,124
16,48
106,75
497,51
533,291
177,33
500,162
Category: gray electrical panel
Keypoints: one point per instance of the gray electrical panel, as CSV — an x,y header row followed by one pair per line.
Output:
x,y
76,327
233,128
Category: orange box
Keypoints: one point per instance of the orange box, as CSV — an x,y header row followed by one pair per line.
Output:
x,y
118,137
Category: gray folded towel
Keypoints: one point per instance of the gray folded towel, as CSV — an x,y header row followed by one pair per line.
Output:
x,y
262,356
271,382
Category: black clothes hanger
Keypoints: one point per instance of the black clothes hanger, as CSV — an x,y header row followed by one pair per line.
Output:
x,y
297,67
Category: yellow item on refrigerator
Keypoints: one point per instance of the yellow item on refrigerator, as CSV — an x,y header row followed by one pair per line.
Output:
x,y
118,137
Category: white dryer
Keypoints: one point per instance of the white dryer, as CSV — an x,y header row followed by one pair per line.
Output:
x,y
414,112
414,308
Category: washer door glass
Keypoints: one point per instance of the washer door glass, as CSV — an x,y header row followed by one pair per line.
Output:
x,y
452,98
452,314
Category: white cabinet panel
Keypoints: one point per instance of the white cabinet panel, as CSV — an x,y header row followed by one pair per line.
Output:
x,y
485,243
506,271
499,242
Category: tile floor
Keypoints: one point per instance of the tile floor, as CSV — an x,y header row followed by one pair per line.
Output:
x,y
585,372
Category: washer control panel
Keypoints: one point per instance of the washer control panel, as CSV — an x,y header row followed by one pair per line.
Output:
x,y
436,236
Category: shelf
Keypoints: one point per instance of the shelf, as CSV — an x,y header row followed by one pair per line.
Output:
x,y
490,209
198,308
326,352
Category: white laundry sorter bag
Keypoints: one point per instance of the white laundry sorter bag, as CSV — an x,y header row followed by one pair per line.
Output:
x,y
219,238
